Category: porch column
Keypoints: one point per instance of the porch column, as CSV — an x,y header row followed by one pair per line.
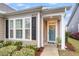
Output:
x,y
42,39
62,32
38,30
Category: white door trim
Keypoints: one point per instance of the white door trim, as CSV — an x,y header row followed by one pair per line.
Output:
x,y
48,31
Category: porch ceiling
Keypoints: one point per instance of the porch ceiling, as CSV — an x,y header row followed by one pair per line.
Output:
x,y
52,17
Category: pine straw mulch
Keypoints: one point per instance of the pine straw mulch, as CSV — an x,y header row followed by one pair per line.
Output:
x,y
39,51
70,50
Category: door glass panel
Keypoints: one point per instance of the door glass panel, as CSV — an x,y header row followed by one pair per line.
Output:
x,y
51,33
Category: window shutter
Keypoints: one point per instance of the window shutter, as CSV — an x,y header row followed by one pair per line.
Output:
x,y
6,28
33,28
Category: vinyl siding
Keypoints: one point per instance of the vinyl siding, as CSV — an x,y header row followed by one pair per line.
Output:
x,y
73,26
2,28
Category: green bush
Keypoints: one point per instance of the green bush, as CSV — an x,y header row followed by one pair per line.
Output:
x,y
58,40
66,36
1,41
24,52
18,53
18,43
19,47
6,43
7,51
1,45
31,47
29,52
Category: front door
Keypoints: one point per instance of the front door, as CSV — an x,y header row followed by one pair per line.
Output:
x,y
51,33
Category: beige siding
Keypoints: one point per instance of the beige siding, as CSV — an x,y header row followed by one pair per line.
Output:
x,y
2,28
58,28
45,31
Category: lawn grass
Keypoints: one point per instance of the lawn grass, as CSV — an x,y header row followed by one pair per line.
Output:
x,y
66,52
75,43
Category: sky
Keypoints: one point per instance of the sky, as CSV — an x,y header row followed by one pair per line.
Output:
x,y
21,6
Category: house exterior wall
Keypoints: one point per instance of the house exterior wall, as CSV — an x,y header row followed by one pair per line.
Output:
x,y
22,16
58,25
2,28
73,26
45,31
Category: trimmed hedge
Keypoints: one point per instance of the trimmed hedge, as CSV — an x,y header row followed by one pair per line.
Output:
x,y
6,51
6,43
18,43
24,52
31,47
1,41
1,45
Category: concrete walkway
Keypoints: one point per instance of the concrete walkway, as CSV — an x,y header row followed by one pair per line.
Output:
x,y
50,50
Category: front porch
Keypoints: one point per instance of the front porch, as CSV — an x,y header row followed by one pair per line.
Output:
x,y
44,36
51,29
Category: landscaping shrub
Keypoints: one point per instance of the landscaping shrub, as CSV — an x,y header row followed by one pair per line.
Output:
x,y
75,35
1,41
18,43
24,52
30,52
19,47
58,40
6,43
1,45
7,51
31,47
18,53
66,36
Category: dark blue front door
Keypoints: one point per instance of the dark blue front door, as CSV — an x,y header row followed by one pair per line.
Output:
x,y
51,33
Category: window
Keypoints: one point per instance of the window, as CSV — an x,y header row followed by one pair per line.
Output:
x,y
11,24
27,28
11,28
18,33
20,28
27,34
27,23
19,23
11,33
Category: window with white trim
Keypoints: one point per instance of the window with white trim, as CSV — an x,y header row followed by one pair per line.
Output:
x,y
27,28
11,28
18,28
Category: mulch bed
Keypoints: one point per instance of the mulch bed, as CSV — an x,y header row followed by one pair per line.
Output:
x,y
39,51
70,47
68,52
